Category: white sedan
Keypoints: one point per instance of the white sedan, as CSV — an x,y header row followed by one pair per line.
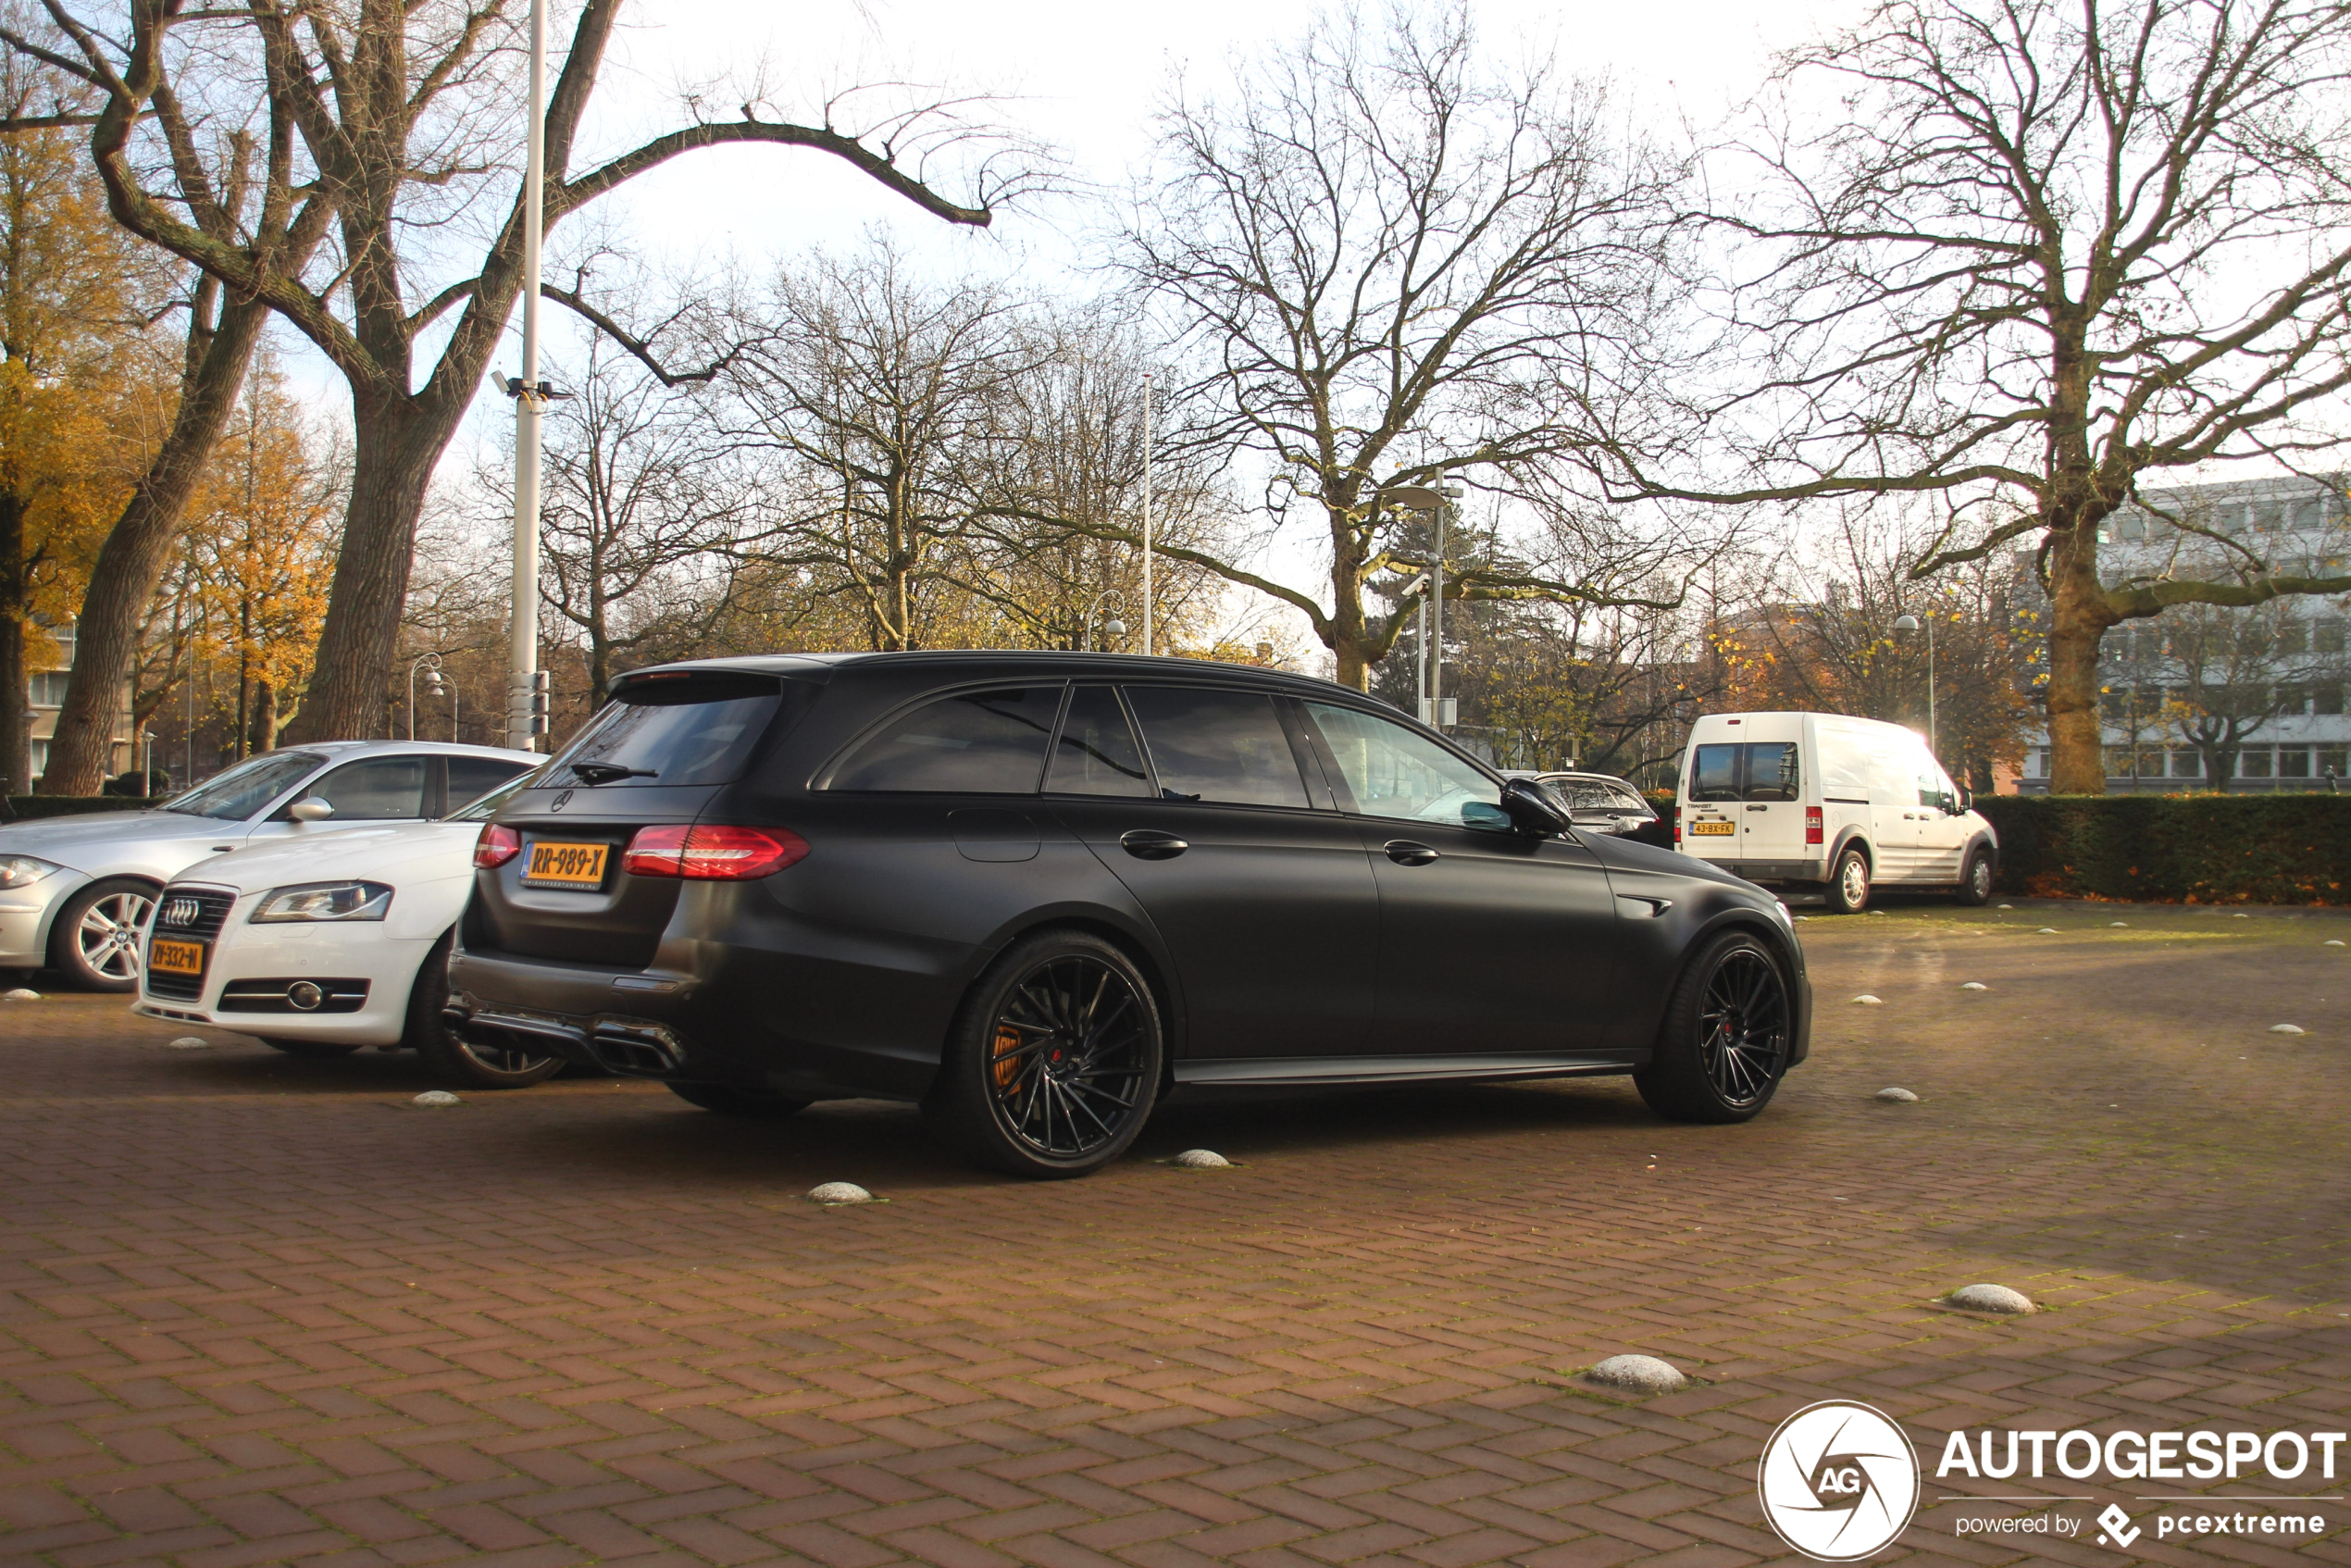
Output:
x,y
320,947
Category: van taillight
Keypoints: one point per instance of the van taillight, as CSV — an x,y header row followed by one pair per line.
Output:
x,y
713,854
1812,829
1678,829
497,845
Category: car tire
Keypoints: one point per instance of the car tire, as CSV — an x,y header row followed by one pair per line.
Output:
x,y
315,1049
1975,880
456,1061
1724,1046
1848,889
730,1099
1053,1066
95,942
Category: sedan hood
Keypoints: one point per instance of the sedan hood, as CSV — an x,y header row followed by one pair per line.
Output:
x,y
72,840
399,853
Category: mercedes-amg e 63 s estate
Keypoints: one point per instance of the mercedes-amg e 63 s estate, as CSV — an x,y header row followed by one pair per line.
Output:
x,y
1037,891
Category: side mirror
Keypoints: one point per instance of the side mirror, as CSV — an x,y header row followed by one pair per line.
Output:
x,y
311,809
1966,803
1532,809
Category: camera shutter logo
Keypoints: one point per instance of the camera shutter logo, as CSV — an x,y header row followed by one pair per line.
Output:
x,y
1839,1481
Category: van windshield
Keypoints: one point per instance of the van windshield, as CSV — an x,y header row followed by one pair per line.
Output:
x,y
1752,770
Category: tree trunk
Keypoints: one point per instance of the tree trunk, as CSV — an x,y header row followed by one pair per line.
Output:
x,y
2078,622
265,717
15,681
1345,635
137,552
397,446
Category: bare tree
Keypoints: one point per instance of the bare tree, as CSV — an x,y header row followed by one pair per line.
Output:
x,y
403,116
885,399
1378,254
645,499
2047,249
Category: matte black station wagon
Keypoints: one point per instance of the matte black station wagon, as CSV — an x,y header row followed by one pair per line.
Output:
x,y
1035,891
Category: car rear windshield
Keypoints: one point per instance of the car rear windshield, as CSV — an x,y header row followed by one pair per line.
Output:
x,y
664,735
1753,770
243,790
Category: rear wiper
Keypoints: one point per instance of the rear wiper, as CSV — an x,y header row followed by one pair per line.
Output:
x,y
610,772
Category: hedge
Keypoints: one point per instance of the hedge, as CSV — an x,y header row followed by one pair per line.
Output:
x,y
23,807
2175,848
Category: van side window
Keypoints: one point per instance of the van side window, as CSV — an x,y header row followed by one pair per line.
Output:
x,y
975,743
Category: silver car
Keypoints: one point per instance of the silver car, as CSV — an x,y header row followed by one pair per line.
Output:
x,y
75,890
1597,803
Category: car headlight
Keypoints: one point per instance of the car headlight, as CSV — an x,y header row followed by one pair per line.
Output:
x,y
324,901
22,870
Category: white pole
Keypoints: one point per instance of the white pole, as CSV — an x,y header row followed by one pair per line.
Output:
x,y
1932,744
1147,513
1437,655
523,659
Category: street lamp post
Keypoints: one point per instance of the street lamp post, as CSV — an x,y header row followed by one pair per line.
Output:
x,y
1909,624
1147,513
430,665
523,719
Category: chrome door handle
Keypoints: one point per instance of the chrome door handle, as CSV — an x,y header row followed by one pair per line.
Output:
x,y
1146,843
1404,852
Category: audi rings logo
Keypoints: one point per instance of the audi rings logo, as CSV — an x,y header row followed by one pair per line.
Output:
x,y
180,912
1839,1481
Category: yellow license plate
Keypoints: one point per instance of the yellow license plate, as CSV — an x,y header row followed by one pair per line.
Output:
x,y
167,957
1713,829
571,865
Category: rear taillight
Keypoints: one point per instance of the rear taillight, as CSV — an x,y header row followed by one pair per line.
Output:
x,y
713,854
1678,829
1812,830
497,846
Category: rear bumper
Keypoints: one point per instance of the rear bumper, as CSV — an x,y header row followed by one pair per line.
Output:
x,y
721,1027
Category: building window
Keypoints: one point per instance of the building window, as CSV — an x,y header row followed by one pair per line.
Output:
x,y
2326,636
2333,760
2036,763
2188,764
2254,763
49,687
2118,762
2294,762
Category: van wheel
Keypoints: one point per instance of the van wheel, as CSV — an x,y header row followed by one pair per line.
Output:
x,y
1724,1043
1850,889
1053,1065
456,1061
1975,882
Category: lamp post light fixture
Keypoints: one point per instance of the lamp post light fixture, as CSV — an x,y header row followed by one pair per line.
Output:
x,y
1907,624
430,665
1111,628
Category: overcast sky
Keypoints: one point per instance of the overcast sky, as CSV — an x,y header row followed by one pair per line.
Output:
x,y
1082,78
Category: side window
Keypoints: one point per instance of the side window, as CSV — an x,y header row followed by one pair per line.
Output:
x,y
472,777
1929,777
973,743
1715,774
1393,772
1221,746
378,790
1097,754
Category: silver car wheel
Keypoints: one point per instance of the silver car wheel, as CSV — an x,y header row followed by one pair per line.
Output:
x,y
107,937
1857,881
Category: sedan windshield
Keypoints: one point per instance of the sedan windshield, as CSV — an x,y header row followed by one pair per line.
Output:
x,y
245,790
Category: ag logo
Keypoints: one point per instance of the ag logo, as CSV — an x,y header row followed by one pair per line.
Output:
x,y
1839,1481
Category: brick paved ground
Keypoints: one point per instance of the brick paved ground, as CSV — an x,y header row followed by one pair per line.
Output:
x,y
260,1310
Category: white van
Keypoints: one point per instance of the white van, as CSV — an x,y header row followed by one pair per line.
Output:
x,y
1819,802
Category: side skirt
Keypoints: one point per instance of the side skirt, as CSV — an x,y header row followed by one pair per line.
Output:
x,y
1269,1070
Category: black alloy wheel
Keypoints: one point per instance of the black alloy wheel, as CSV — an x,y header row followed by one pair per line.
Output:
x,y
1724,1044
1055,1064
461,1062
